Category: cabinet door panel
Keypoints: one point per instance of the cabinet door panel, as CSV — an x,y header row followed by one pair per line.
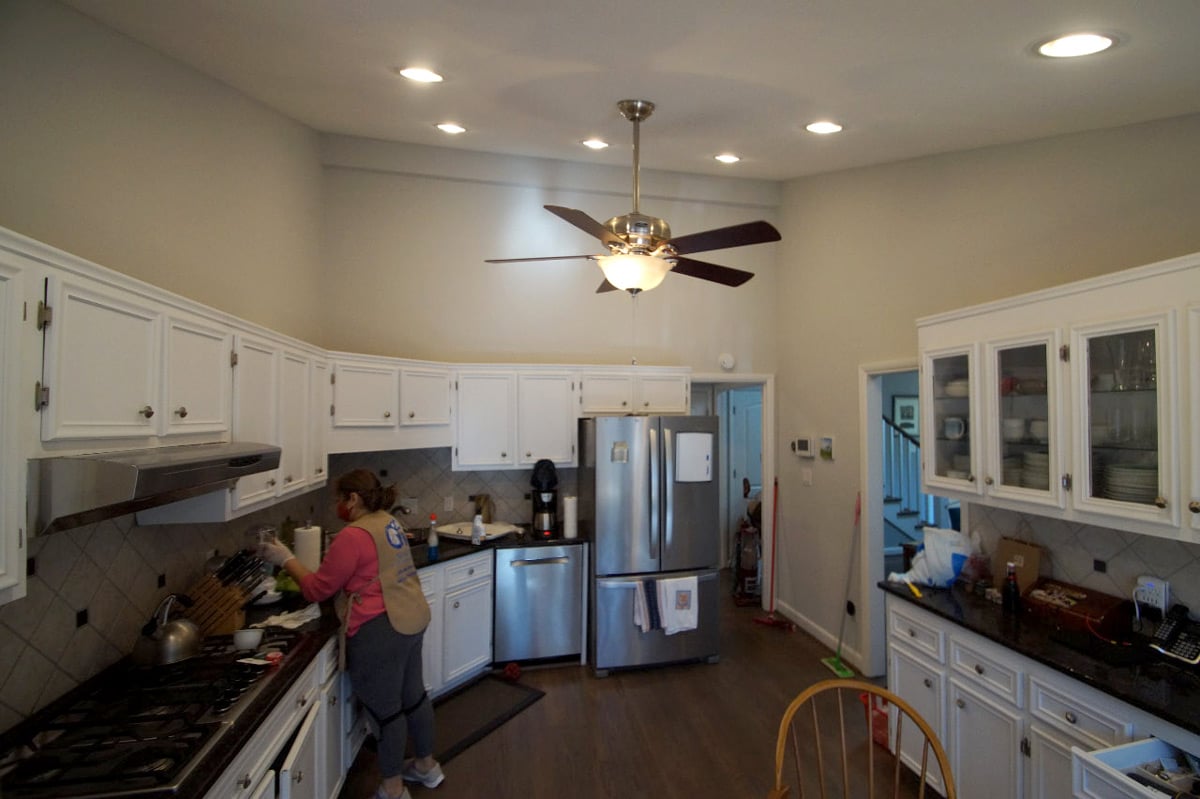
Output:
x,y
424,396
365,395
467,630
293,422
1193,498
102,367
12,466
318,407
950,435
198,378
661,393
546,415
1050,763
922,686
329,743
485,419
298,777
985,745
607,393
255,413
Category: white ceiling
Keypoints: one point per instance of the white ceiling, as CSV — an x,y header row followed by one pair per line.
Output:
x,y
534,77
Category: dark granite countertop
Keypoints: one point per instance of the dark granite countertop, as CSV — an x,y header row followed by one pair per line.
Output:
x,y
1134,674
452,549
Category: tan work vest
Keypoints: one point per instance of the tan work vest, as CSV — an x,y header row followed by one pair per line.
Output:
x,y
407,609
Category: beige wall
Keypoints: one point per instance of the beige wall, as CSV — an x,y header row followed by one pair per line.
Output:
x,y
866,252
112,152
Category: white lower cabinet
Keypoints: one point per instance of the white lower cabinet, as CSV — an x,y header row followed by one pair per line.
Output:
x,y
1050,762
333,767
265,788
458,641
433,584
985,757
298,776
922,684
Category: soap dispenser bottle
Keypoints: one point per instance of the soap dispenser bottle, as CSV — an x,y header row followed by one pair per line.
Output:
x,y
431,549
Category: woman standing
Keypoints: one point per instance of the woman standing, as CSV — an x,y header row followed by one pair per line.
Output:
x,y
369,567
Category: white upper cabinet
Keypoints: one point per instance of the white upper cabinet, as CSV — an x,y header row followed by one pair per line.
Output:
x,y
365,395
100,376
546,419
485,434
197,387
256,412
319,396
666,392
1067,402
12,464
294,373
643,390
424,395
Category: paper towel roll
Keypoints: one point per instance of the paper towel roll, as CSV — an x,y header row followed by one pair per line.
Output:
x,y
308,547
570,517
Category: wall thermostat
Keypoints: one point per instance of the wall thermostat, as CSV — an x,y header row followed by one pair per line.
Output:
x,y
803,447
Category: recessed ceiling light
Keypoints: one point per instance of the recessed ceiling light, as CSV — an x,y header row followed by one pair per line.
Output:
x,y
452,128
420,75
1075,45
727,158
595,144
824,127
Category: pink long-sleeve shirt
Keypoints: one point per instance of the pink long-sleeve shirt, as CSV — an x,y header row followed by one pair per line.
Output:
x,y
351,564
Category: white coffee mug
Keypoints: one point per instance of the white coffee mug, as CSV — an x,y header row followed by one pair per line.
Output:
x,y
954,427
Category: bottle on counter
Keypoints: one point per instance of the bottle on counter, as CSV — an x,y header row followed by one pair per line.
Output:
x,y
431,550
1010,593
477,529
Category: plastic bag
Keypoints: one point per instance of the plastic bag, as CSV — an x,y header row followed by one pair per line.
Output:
x,y
939,560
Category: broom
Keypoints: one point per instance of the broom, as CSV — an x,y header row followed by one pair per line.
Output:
x,y
835,663
771,620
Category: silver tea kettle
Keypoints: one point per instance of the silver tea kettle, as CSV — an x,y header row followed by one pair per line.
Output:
x,y
163,640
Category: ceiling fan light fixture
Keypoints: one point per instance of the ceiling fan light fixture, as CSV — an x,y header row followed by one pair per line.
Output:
x,y
420,75
727,158
823,127
594,144
453,128
1075,44
633,272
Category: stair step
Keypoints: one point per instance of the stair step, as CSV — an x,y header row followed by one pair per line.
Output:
x,y
890,500
908,512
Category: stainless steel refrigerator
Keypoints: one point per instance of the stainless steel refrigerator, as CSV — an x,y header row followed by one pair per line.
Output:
x,y
649,500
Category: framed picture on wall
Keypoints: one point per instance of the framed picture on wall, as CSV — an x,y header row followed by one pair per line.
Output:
x,y
905,415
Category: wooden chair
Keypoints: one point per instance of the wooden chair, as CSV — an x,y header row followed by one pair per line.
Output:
x,y
832,742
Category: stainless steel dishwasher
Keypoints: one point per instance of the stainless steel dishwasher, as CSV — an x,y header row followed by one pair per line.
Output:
x,y
539,602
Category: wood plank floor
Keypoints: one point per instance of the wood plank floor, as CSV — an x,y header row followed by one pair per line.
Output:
x,y
675,732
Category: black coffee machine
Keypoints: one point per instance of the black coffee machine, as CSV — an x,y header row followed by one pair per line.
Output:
x,y
545,499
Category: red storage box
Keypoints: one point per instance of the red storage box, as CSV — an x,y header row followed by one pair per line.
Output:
x,y
877,712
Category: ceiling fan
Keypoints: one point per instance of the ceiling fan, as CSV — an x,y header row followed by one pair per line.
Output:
x,y
641,249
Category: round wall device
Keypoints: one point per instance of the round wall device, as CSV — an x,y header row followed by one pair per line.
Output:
x,y
727,361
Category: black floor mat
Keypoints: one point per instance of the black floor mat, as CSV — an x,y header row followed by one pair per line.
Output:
x,y
467,715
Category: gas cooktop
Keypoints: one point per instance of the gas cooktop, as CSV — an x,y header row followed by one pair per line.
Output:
x,y
137,731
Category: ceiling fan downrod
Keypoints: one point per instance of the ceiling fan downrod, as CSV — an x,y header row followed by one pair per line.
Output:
x,y
635,111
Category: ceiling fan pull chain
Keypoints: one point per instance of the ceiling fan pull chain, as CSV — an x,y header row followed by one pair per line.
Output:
x,y
633,328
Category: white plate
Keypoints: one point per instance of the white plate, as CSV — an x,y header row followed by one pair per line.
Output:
x,y
269,598
462,530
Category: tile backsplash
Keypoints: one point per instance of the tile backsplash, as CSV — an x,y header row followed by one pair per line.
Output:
x,y
1072,550
92,588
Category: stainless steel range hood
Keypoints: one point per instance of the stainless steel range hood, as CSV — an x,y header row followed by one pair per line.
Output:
x,y
70,491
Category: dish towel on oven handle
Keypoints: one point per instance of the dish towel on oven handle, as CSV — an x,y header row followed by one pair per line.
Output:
x,y
677,600
646,615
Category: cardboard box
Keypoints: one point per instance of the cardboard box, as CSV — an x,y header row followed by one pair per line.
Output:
x,y
1078,609
1027,558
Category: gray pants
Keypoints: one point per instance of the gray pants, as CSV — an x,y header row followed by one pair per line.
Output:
x,y
385,671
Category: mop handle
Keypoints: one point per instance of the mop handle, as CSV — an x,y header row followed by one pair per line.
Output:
x,y
774,539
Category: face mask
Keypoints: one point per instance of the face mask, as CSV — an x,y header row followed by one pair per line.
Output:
x,y
343,511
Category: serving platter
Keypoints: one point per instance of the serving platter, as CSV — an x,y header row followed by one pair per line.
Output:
x,y
462,530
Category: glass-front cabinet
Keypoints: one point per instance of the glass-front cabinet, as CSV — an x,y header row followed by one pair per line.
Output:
x,y
1126,424
1023,452
1193,499
950,419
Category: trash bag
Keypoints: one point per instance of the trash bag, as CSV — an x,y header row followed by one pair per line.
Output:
x,y
939,560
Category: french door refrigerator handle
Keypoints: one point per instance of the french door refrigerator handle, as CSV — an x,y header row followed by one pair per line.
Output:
x,y
655,495
668,489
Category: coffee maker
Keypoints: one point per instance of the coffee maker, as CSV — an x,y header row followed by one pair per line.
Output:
x,y
545,499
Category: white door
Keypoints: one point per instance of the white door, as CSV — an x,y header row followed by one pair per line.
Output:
x,y
298,778
255,412
198,378
424,396
365,395
745,449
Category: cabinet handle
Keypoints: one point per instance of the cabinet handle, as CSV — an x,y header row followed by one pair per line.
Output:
x,y
970,478
960,704
298,777
503,454
244,782
320,470
978,669
988,480
646,404
1194,506
1160,502
287,479
912,633
928,683
1070,717
181,411
302,701
271,482
456,604
528,455
412,414
623,403
470,571
387,414
332,701
146,411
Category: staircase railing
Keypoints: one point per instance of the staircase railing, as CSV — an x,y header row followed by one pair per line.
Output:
x,y
902,477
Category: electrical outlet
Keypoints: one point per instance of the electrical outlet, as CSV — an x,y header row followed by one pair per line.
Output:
x,y
447,503
1153,592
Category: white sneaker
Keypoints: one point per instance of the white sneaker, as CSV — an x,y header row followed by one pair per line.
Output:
x,y
382,794
430,779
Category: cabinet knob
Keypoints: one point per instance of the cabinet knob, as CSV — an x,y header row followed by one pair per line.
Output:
x,y
146,411
1070,717
470,571
387,414
988,480
244,782
646,404
978,669
412,414
271,482
320,470
287,479
960,704
1160,502
332,701
928,682
1194,506
456,604
970,478
503,454
912,633
528,455
302,701
181,412
623,403
298,777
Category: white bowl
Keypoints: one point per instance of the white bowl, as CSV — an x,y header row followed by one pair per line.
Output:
x,y
247,639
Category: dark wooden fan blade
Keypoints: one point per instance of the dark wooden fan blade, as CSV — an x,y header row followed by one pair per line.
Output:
x,y
585,223
542,258
759,232
606,286
725,275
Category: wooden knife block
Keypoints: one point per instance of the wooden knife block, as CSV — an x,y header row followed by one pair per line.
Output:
x,y
217,609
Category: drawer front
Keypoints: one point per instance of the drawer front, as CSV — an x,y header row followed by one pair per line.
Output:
x,y
1079,716
1100,775
433,580
986,672
907,628
468,569
327,661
